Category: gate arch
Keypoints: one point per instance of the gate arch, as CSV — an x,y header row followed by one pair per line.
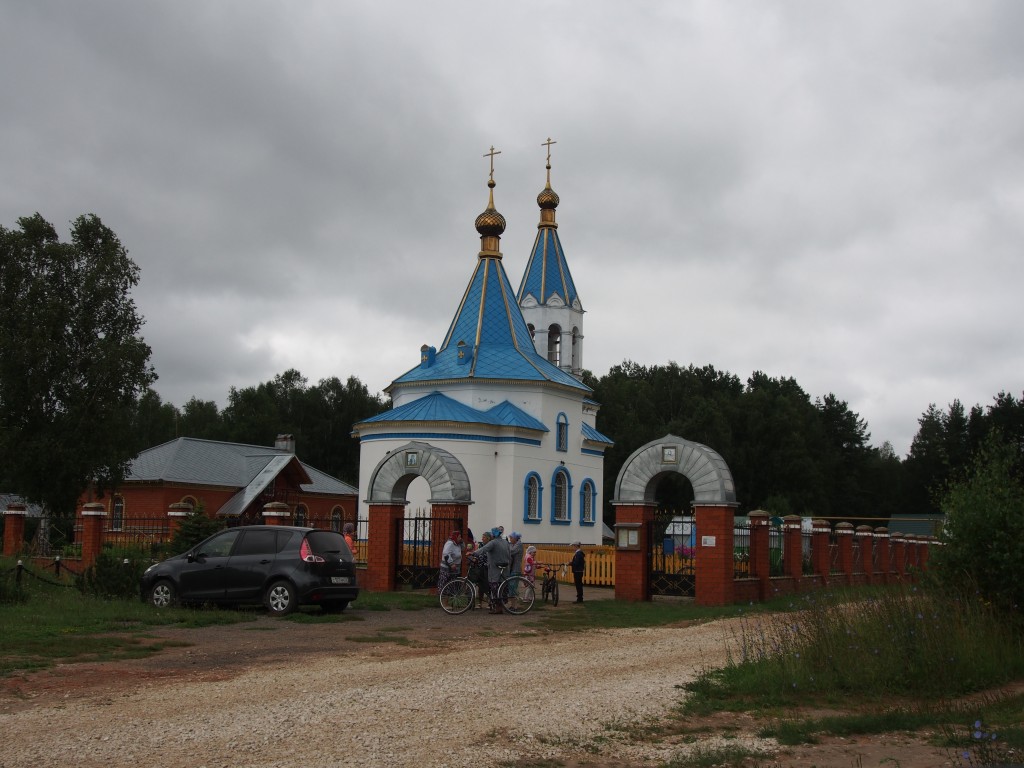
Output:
x,y
447,478
705,469
665,559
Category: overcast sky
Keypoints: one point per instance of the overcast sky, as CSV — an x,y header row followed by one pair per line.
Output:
x,y
828,191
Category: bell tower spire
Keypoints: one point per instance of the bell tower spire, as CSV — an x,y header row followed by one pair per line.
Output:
x,y
547,295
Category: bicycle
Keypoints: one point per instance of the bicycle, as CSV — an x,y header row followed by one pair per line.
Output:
x,y
549,586
516,595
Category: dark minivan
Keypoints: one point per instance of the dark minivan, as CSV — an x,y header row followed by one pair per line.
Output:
x,y
278,565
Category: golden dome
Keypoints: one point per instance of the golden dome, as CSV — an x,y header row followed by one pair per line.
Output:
x,y
548,198
490,222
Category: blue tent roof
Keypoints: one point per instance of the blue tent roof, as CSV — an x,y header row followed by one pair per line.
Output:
x,y
547,273
489,330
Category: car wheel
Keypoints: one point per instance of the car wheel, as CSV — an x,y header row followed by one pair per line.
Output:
x,y
163,594
280,598
334,606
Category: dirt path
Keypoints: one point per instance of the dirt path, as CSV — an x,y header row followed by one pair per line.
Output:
x,y
416,688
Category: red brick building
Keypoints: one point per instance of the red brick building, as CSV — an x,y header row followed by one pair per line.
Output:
x,y
229,480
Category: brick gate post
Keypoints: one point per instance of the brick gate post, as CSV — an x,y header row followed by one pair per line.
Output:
x,y
633,550
715,557
176,513
93,516
382,545
881,535
14,528
864,535
821,550
793,548
844,540
899,555
276,513
760,564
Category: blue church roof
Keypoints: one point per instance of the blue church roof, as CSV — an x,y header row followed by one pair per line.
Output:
x,y
589,433
438,407
488,337
547,273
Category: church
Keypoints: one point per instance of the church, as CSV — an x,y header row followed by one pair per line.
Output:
x,y
496,418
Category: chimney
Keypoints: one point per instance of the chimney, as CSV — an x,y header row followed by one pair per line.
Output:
x,y
285,443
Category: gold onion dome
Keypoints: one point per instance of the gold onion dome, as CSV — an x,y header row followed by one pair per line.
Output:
x,y
490,222
548,198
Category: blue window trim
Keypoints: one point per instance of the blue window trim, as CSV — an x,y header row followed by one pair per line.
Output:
x,y
562,430
526,500
568,496
588,486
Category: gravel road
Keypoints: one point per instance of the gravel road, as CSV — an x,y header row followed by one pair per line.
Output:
x,y
466,691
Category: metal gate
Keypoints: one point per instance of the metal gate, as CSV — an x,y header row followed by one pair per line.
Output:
x,y
419,551
671,554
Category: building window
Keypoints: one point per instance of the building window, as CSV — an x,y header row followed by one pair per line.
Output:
x,y
531,513
117,514
336,519
587,499
562,433
554,345
300,514
191,501
560,511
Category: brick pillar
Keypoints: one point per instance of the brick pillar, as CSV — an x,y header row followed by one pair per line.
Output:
x,y
793,547
821,549
882,550
276,513
14,528
924,551
844,540
760,567
910,559
715,557
446,518
633,550
866,540
899,555
93,516
382,545
175,514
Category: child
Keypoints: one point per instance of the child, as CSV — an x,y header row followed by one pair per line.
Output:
x,y
529,563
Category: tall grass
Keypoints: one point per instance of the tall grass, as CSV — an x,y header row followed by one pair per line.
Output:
x,y
896,642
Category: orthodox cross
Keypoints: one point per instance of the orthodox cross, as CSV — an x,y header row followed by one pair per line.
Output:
x,y
491,155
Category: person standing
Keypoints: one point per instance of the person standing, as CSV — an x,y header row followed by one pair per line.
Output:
x,y
515,553
451,559
349,532
579,565
530,564
496,549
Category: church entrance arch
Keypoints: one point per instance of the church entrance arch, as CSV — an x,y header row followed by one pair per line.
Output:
x,y
405,551
658,548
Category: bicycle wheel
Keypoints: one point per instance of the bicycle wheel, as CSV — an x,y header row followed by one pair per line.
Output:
x,y
554,591
457,596
516,594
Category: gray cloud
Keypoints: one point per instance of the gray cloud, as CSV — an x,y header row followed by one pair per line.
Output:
x,y
823,191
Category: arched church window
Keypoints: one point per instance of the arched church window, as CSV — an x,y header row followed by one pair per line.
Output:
x,y
336,519
554,345
587,498
577,362
562,433
531,512
117,514
560,512
300,514
533,331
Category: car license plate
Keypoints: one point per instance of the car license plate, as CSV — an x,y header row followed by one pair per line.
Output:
x,y
341,580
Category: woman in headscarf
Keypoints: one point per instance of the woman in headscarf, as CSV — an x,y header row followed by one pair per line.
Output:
x,y
451,559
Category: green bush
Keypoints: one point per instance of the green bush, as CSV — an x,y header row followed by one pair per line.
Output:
x,y
193,529
984,528
113,575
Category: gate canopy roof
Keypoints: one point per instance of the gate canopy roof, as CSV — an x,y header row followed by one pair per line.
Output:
x,y
707,471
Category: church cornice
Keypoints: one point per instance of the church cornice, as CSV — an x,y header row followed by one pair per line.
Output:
x,y
531,383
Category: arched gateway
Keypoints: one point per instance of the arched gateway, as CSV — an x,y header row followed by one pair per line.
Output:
x,y
405,550
713,506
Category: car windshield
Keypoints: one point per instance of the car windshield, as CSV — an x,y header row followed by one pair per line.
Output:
x,y
328,542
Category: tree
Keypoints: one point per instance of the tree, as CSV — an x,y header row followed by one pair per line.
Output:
x,y
72,363
984,527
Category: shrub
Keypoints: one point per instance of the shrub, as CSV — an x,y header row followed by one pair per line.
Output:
x,y
193,529
984,529
113,575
